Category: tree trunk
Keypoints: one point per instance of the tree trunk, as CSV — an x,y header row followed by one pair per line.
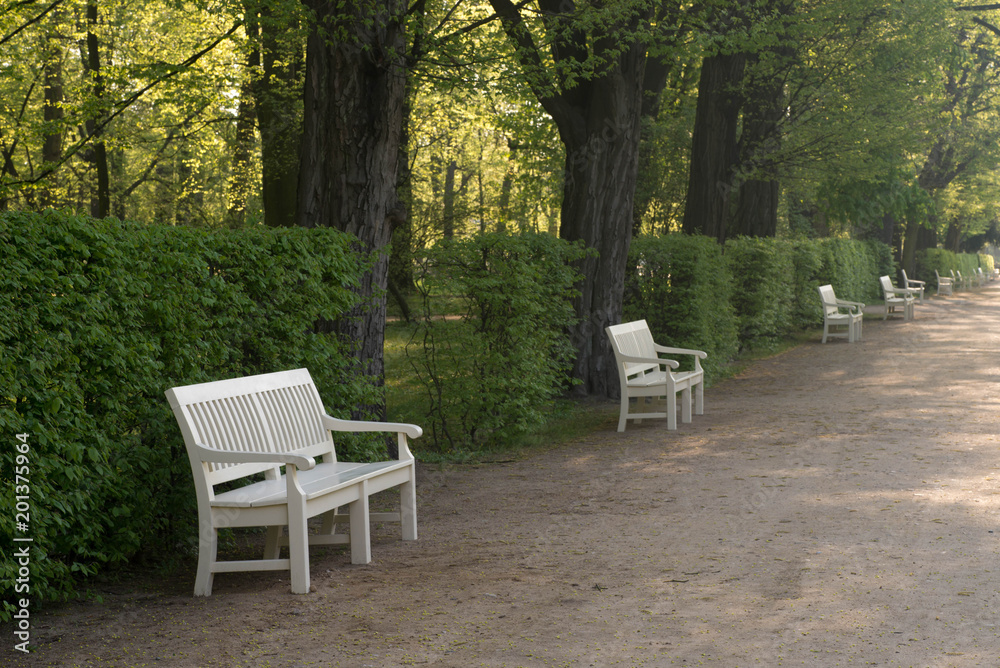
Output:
x,y
599,124
602,159
757,208
52,114
401,248
276,97
448,201
713,146
100,205
953,237
240,181
354,95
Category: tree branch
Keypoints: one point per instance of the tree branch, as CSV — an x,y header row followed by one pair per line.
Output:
x,y
38,18
125,104
989,26
978,8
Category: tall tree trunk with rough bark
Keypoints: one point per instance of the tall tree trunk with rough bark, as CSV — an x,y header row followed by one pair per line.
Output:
x,y
354,94
602,160
599,123
713,146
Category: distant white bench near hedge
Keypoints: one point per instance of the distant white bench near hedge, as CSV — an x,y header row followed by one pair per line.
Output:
x,y
242,427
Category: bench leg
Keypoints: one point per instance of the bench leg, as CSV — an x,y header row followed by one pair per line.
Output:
x,y
623,413
298,535
671,410
686,404
361,537
272,550
208,546
408,507
699,398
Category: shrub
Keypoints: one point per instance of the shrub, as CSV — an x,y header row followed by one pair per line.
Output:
x,y
944,262
100,318
491,373
681,286
763,289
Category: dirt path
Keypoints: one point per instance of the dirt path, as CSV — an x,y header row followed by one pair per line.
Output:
x,y
837,505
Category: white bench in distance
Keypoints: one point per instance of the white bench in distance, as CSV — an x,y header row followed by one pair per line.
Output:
x,y
643,373
246,426
840,313
917,286
895,297
944,283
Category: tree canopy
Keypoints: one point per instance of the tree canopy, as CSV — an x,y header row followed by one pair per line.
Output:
x,y
588,120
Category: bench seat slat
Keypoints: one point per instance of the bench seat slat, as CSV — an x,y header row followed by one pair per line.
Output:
x,y
321,480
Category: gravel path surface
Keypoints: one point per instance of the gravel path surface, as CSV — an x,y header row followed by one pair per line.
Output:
x,y
837,505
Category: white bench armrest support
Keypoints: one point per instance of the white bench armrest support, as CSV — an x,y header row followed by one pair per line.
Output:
x,y
854,306
700,354
244,457
673,364
336,424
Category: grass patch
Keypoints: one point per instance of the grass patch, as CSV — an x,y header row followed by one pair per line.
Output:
x,y
568,420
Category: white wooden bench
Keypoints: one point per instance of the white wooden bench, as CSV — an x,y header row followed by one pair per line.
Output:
x,y
913,284
944,283
896,298
643,373
956,277
234,429
840,313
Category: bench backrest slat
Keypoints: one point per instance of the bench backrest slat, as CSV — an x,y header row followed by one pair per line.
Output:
x,y
278,412
829,298
886,286
635,340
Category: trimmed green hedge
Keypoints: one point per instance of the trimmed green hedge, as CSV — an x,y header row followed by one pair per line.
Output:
x,y
491,374
99,318
755,291
682,287
944,262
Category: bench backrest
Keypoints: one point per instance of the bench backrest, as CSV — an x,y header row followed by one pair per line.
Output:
x,y
635,340
829,300
886,286
276,412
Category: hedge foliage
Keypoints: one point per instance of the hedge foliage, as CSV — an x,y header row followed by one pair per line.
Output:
x,y
748,294
945,262
491,374
682,287
99,318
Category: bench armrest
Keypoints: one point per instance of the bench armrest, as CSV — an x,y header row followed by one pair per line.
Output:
x,y
679,351
207,454
847,304
631,359
336,424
